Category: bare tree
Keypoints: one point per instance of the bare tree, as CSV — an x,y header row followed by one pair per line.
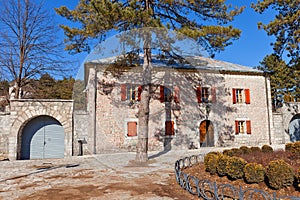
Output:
x,y
29,43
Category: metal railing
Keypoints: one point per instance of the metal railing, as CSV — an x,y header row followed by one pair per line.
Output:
x,y
208,190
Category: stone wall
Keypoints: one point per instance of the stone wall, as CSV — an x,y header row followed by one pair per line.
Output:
x,y
23,110
112,113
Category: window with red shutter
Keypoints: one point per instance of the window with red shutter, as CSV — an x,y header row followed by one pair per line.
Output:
x,y
176,94
248,124
169,127
139,93
213,95
123,92
233,95
247,96
161,93
236,127
198,94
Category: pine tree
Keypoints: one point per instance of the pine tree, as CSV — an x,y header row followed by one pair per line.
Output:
x,y
285,26
203,20
282,79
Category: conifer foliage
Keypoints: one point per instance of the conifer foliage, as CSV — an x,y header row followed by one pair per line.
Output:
x,y
285,26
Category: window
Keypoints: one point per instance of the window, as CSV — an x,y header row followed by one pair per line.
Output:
x,y
169,128
131,92
206,94
243,127
240,96
131,129
167,94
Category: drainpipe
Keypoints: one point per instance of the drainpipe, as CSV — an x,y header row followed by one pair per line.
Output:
x,y
95,110
268,106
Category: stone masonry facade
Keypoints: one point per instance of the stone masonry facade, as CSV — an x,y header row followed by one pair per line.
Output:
x,y
21,111
113,117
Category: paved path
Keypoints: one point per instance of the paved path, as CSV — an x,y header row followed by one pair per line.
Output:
x,y
103,176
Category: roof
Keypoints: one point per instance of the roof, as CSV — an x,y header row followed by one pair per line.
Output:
x,y
190,62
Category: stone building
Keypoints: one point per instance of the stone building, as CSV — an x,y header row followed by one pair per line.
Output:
x,y
202,102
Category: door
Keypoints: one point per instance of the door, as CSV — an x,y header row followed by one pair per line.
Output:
x,y
206,131
42,137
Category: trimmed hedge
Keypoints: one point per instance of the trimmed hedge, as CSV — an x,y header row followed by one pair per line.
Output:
x,y
211,162
279,174
222,163
254,173
235,168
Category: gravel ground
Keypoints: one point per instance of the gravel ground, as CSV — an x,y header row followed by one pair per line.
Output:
x,y
103,176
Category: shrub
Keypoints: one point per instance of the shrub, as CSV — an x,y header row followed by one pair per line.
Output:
x,y
235,168
232,152
228,152
289,146
266,149
245,150
296,149
254,173
255,149
222,163
298,178
280,174
211,162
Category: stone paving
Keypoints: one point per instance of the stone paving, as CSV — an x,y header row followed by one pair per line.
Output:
x,y
103,176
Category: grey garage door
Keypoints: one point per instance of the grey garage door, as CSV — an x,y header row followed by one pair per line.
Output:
x,y
42,137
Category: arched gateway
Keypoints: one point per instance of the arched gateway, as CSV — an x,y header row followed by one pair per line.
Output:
x,y
42,137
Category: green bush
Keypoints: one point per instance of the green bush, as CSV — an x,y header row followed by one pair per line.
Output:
x,y
228,152
222,163
245,149
255,149
235,168
266,149
298,178
211,162
279,174
254,173
289,146
296,149
232,152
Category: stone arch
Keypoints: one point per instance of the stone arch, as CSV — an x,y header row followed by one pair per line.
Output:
x,y
50,145
294,128
25,110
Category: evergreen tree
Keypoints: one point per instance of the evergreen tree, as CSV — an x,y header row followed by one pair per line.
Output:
x,y
202,20
283,79
285,26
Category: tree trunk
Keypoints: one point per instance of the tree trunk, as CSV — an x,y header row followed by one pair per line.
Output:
x,y
144,109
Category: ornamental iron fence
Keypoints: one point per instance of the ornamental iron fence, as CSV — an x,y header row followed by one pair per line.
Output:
x,y
208,190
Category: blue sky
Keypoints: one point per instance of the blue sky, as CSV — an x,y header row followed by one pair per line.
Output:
x,y
249,50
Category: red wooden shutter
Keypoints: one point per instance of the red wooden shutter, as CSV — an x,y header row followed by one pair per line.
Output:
x,y
139,92
247,96
123,92
233,96
131,129
248,124
213,95
169,126
198,93
176,94
236,127
162,93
